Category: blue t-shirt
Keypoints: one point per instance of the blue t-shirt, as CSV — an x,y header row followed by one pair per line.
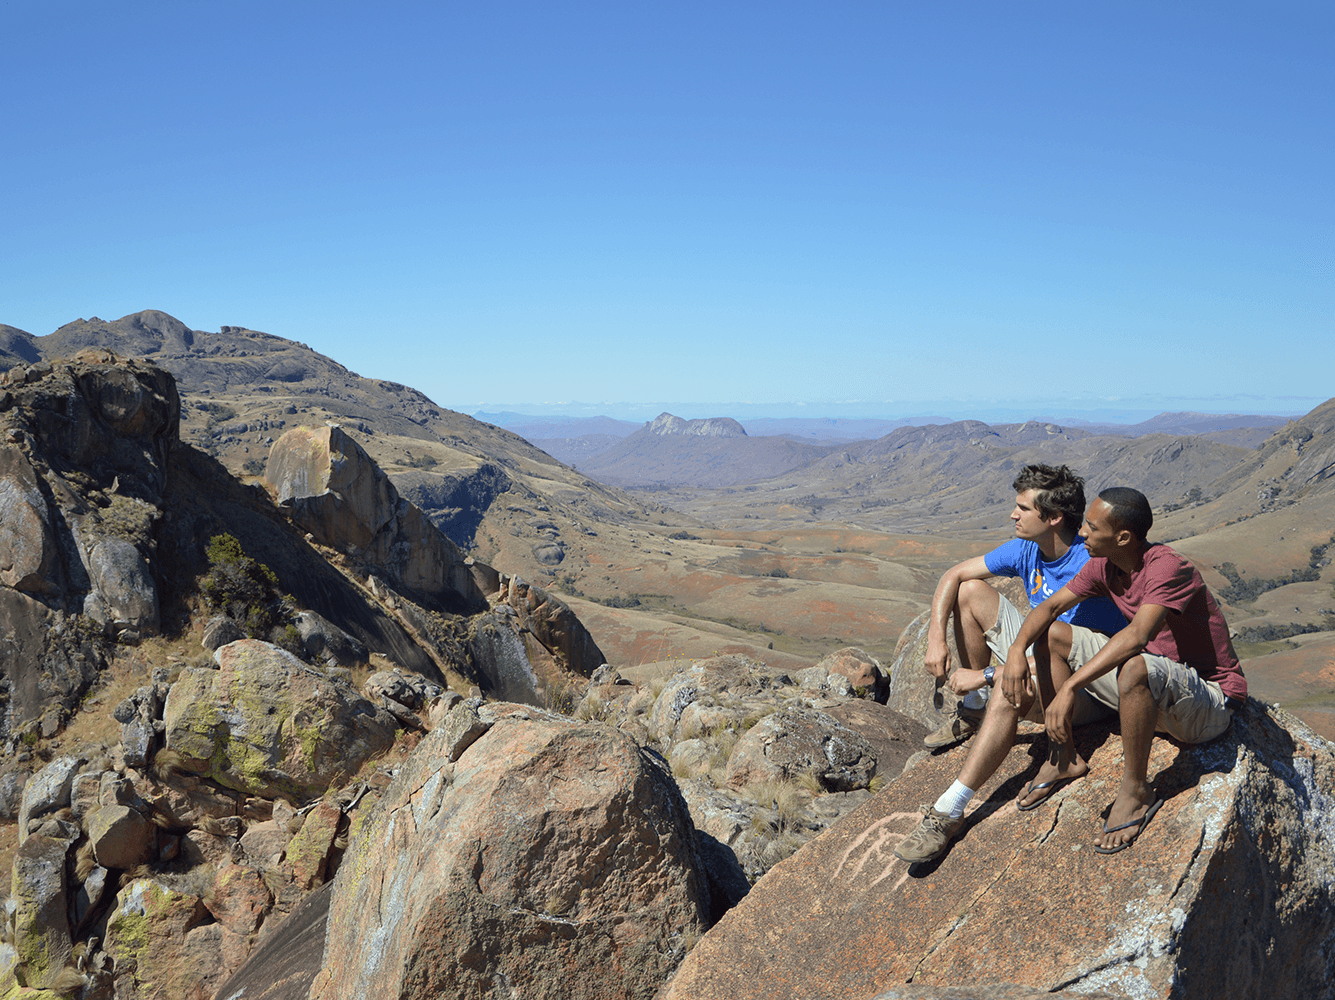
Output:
x,y
1023,558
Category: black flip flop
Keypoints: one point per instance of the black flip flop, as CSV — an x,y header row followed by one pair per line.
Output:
x,y
1142,822
1054,784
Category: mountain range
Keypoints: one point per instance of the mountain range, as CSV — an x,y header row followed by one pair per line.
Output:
x,y
679,537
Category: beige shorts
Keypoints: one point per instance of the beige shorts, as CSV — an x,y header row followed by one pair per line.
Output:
x,y
1089,707
1191,709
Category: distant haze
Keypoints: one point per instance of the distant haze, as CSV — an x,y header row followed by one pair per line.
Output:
x,y
1074,413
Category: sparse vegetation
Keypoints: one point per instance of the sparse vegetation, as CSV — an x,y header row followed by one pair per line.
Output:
x,y
419,462
1242,591
246,591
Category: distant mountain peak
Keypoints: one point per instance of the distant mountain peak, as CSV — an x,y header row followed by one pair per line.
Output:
x,y
666,424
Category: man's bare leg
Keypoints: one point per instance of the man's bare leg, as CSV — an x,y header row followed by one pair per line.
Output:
x,y
975,612
993,742
1052,667
1139,713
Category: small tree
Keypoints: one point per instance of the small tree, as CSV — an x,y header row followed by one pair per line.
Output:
x,y
246,591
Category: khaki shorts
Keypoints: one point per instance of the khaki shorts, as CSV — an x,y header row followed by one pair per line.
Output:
x,y
1191,709
1089,707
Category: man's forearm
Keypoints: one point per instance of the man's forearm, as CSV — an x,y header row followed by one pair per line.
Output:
x,y
947,593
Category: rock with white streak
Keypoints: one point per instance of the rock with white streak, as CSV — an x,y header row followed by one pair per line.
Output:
x,y
565,837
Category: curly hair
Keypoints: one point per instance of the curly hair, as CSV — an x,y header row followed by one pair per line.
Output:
x,y
1056,491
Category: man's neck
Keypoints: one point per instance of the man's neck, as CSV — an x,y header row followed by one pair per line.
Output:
x,y
1129,558
1055,544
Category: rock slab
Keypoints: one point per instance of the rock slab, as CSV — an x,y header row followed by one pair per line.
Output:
x,y
1228,893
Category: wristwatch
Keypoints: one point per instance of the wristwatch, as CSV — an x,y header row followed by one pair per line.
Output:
x,y
989,672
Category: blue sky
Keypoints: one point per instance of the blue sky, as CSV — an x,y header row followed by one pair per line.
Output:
x,y
825,208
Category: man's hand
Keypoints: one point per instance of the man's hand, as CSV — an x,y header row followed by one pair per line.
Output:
x,y
1057,717
937,659
963,681
1015,683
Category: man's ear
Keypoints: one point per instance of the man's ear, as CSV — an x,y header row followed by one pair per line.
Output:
x,y
1124,536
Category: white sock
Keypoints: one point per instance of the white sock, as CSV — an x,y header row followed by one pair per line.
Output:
x,y
976,699
957,796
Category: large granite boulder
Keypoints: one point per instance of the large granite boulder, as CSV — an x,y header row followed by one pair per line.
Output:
x,y
553,859
265,722
914,692
862,670
166,944
124,594
1227,893
335,491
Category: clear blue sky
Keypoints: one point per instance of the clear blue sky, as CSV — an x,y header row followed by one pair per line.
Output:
x,y
860,207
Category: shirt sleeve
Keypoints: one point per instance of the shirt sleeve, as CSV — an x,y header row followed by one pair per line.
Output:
x,y
1004,559
1089,581
1171,584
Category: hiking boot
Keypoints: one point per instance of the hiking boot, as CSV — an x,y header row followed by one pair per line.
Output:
x,y
930,840
961,727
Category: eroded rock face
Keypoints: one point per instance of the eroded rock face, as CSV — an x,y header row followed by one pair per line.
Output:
x,y
555,626
565,837
1226,893
27,543
84,445
264,722
337,493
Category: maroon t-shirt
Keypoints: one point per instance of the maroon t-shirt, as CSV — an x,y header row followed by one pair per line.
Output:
x,y
1194,632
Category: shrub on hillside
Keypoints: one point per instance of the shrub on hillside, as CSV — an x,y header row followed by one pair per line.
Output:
x,y
246,591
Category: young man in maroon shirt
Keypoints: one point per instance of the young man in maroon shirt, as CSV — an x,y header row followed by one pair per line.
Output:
x,y
1175,665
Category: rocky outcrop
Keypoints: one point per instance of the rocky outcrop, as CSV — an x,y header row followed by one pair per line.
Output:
x,y
797,741
666,424
761,760
264,722
84,448
554,625
337,493
565,837
1227,892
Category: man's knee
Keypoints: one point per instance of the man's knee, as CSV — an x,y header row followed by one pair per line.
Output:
x,y
1133,676
978,601
1059,640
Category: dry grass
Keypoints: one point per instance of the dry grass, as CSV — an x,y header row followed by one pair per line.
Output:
x,y
786,798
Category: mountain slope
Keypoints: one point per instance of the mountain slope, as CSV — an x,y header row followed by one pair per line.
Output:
x,y
493,492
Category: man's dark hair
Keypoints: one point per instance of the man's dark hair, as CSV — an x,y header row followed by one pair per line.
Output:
x,y
1129,509
1056,491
